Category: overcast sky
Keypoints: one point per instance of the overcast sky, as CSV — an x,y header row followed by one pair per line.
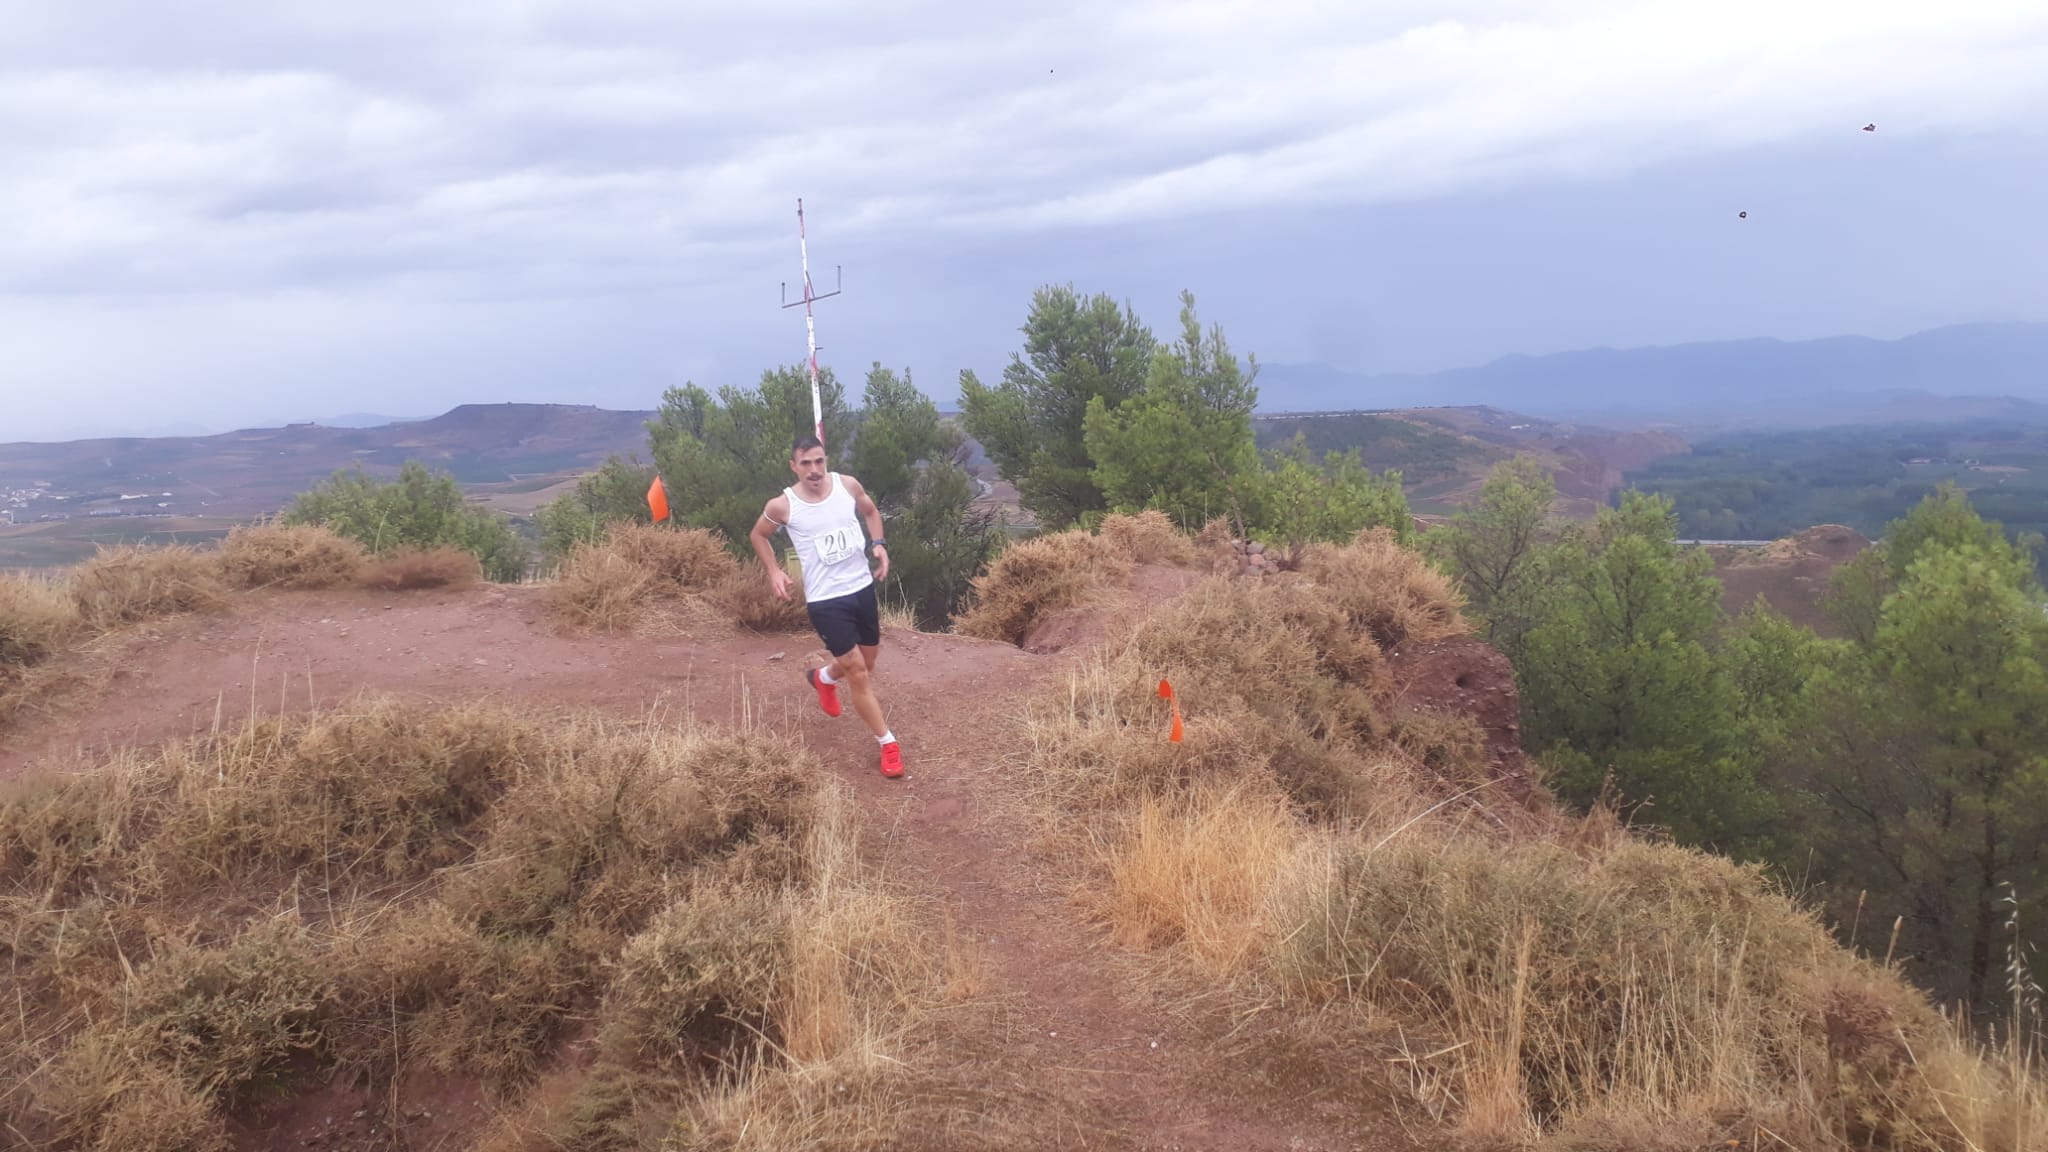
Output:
x,y
219,213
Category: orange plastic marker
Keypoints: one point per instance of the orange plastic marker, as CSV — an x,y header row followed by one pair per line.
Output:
x,y
1166,693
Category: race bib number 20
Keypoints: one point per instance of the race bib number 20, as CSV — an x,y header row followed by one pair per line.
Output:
x,y
833,547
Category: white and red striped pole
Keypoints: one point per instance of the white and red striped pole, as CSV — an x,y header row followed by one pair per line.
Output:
x,y
810,323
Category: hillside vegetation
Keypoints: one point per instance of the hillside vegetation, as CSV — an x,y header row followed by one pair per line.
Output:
x,y
1317,847
1763,485
1284,767
404,896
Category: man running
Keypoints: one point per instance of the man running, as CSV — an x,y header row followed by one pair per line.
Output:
x,y
822,514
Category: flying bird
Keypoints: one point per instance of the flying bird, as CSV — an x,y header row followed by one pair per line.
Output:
x,y
1742,215
1870,127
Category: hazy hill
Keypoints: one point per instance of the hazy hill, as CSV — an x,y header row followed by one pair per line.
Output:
x,y
1999,369
1445,453
256,470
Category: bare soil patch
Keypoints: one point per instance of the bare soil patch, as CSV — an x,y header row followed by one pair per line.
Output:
x,y
1792,575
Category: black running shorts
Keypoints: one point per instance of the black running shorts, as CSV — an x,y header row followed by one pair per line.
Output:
x,y
844,621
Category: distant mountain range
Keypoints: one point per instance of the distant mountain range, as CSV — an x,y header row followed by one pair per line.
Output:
x,y
257,470
1969,370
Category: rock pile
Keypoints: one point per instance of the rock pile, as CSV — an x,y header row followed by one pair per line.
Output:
x,y
1249,558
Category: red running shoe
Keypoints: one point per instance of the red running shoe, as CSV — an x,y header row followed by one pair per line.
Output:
x,y
892,760
828,694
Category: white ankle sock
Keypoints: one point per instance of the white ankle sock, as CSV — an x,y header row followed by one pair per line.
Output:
x,y
887,738
825,675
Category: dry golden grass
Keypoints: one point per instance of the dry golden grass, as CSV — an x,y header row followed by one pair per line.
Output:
x,y
1634,995
383,888
1035,576
415,569
1196,873
744,598
597,588
301,556
1310,845
1273,686
898,616
642,573
1387,590
677,559
1147,537
37,615
130,585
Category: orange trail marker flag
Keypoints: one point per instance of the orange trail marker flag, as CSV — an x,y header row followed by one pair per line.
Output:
x,y
657,500
1166,693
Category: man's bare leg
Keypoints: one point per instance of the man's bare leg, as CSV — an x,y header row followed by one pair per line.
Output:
x,y
851,671
868,652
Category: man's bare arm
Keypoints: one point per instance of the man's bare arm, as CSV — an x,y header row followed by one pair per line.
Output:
x,y
864,506
771,520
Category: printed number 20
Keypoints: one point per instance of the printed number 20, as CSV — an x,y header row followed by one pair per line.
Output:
x,y
836,546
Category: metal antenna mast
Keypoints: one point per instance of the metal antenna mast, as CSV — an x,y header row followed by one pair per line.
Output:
x,y
810,324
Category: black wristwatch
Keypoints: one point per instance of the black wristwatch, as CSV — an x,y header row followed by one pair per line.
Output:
x,y
878,542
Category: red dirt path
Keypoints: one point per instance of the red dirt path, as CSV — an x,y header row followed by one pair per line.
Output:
x,y
1121,1070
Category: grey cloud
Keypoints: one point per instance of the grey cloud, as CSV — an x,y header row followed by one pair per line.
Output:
x,y
335,173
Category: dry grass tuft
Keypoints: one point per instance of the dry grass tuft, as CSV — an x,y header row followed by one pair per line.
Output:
x,y
1645,994
387,887
898,617
744,598
130,585
37,616
677,559
1035,576
606,585
597,588
301,556
1196,873
413,569
1387,590
1148,537
1272,685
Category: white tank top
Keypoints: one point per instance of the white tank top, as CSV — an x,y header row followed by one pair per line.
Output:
x,y
829,542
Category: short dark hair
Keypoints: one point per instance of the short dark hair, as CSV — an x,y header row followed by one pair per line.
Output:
x,y
804,441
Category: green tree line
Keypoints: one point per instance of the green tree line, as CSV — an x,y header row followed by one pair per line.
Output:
x,y
1095,415
1899,769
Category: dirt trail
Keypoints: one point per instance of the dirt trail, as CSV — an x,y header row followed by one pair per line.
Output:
x,y
1117,1069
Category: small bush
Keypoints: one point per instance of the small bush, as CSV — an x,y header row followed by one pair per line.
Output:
x,y
1644,988
302,556
130,585
1038,575
1387,590
410,570
228,1018
603,585
678,559
598,588
705,972
1149,537
1272,685
745,598
1216,544
419,511
36,617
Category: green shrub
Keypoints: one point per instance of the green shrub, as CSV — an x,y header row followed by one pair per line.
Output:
x,y
418,511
